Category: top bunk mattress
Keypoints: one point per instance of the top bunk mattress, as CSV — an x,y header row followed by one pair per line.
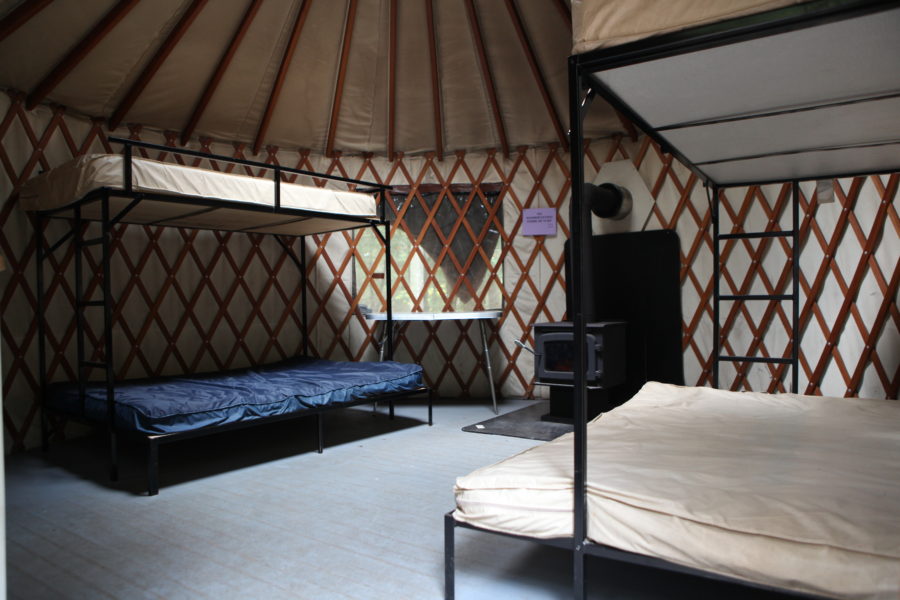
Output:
x,y
797,492
165,405
184,191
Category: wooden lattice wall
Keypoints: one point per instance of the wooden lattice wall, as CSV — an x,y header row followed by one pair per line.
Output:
x,y
196,300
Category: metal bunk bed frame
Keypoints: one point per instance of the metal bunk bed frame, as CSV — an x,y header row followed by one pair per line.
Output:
x,y
108,221
582,90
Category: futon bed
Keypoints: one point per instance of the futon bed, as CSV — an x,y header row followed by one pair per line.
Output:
x,y
796,492
169,405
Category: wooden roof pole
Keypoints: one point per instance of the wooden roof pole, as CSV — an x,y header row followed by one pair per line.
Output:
x,y
435,81
392,81
536,71
216,78
342,75
486,75
77,54
282,72
156,62
20,15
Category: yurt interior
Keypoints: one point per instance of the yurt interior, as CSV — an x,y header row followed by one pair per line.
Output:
x,y
411,299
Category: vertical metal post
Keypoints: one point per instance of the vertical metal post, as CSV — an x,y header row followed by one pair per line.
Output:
x,y
41,328
304,282
716,350
79,307
389,322
152,467
449,557
580,247
126,166
795,292
108,340
277,204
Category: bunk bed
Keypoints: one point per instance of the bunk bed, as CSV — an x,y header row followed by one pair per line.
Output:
x,y
111,189
779,492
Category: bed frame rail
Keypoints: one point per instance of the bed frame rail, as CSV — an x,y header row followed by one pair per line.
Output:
x,y
106,302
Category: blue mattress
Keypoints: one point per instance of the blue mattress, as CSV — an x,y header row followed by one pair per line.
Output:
x,y
183,403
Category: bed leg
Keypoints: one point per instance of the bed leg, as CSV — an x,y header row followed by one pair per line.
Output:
x,y
152,468
430,404
113,457
449,557
579,589
391,408
45,432
320,432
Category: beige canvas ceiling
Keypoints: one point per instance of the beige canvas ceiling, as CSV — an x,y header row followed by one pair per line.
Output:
x,y
327,75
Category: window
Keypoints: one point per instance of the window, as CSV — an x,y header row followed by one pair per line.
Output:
x,y
446,248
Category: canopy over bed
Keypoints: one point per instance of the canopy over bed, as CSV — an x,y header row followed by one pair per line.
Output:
x,y
807,91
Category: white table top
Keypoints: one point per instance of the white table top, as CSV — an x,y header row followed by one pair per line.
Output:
x,y
441,316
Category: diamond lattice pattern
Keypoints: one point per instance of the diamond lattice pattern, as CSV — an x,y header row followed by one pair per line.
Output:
x,y
198,300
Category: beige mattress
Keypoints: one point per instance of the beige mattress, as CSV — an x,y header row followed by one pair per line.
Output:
x,y
799,492
598,24
70,182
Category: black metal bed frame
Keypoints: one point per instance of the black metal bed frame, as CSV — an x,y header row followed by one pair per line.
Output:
x,y
75,236
582,90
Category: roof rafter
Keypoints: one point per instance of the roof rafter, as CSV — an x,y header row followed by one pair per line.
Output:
x,y
156,62
20,15
342,74
536,71
282,73
392,81
435,81
216,78
77,54
486,75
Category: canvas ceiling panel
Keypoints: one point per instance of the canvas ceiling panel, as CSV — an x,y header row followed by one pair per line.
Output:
x,y
597,24
362,120
522,109
235,110
551,51
465,103
170,96
98,83
415,115
807,165
27,57
831,127
311,78
764,74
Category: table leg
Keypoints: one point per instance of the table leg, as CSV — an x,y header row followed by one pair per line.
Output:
x,y
487,363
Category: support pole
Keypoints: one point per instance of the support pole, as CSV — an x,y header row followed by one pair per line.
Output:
x,y
389,323
304,282
41,329
108,341
580,247
795,291
449,557
717,345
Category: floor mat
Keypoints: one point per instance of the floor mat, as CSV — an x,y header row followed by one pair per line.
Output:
x,y
523,423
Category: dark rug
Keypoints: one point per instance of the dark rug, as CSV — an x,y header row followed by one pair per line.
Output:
x,y
523,423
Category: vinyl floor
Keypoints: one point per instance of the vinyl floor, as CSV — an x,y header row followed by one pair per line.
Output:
x,y
257,513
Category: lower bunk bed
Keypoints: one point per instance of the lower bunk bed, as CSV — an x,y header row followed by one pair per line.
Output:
x,y
799,494
168,409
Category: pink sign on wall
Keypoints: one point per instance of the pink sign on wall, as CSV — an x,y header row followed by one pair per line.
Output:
x,y
538,221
